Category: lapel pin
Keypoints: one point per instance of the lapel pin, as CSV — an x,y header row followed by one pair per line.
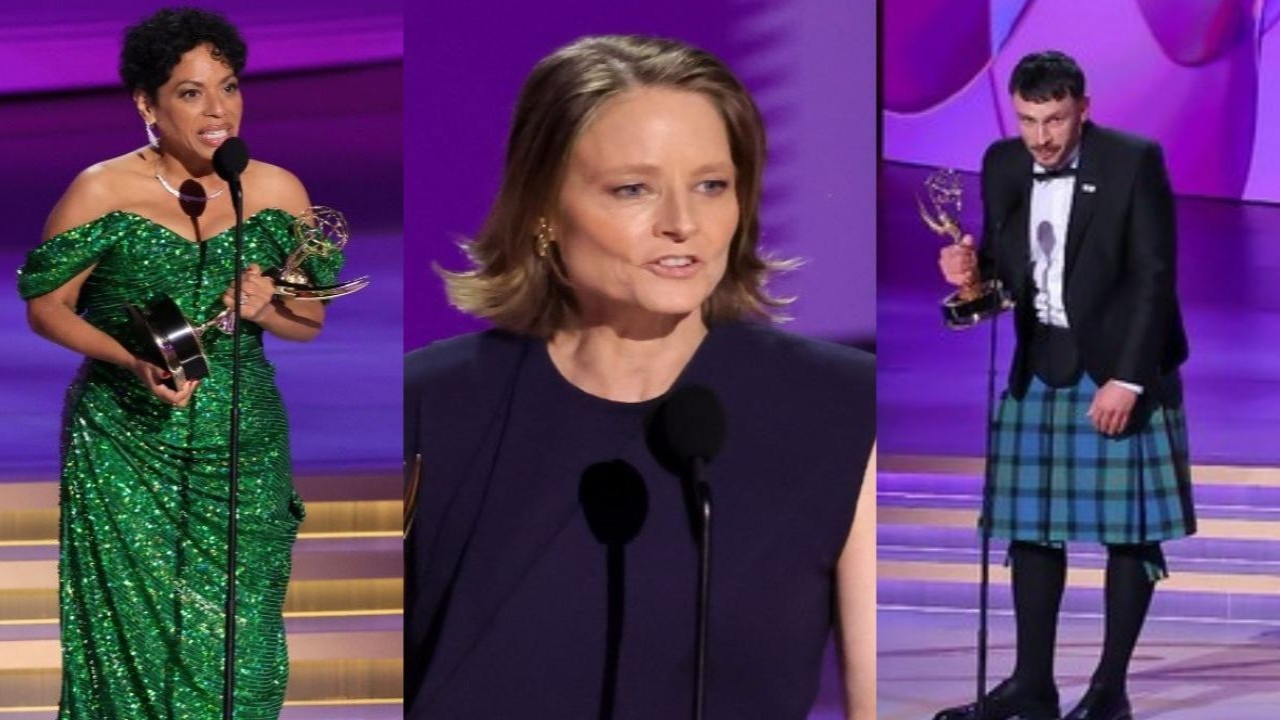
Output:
x,y
1088,188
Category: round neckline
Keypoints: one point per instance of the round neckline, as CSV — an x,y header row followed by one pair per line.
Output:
x,y
543,356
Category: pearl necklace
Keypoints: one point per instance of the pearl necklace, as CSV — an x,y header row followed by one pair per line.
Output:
x,y
183,196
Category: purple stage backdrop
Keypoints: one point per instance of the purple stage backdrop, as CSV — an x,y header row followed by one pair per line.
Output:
x,y
72,44
1200,77
810,65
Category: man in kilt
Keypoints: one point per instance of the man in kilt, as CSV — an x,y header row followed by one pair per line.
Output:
x,y
1089,440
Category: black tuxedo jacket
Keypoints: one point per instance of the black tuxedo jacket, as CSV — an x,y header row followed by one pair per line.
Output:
x,y
1119,283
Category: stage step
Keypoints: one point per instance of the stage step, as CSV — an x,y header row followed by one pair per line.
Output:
x,y
343,613
929,545
332,682
347,518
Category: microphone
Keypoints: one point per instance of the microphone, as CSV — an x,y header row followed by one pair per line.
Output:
x,y
1045,241
229,160
984,575
691,426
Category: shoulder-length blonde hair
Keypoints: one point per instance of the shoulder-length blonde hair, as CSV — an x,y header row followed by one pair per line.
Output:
x,y
512,286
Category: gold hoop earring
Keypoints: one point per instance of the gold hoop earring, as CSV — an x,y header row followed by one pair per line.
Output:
x,y
545,236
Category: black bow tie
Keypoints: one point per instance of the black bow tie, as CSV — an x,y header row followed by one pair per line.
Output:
x,y
1051,174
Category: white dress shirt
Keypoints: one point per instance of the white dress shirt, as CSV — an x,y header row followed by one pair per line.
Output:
x,y
1050,213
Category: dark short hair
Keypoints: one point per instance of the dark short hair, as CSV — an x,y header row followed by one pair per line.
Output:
x,y
1047,75
155,46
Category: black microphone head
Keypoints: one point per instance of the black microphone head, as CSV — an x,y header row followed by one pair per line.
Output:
x,y
230,159
691,424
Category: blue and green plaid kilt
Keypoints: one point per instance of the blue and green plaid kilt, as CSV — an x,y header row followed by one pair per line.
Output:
x,y
1056,478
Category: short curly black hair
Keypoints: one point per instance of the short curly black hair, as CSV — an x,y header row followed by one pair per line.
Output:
x,y
155,46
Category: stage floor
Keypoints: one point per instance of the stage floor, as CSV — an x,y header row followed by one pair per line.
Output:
x,y
1183,670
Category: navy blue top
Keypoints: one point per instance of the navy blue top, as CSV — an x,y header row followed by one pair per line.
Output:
x,y
551,569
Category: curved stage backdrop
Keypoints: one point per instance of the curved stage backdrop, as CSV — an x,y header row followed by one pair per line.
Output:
x,y
1201,77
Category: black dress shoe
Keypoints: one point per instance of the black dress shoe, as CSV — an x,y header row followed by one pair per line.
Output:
x,y
1008,701
1100,703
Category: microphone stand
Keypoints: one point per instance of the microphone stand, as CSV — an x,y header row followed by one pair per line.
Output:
x,y
984,582
988,483
233,475
702,508
691,426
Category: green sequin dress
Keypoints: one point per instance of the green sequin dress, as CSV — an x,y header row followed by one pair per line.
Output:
x,y
143,495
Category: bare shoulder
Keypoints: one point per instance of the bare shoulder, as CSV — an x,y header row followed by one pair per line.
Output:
x,y
271,186
96,191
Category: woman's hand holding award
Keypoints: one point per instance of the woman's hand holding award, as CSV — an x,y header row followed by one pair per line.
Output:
x,y
171,341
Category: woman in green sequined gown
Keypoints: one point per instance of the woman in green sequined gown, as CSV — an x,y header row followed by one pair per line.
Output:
x,y
144,480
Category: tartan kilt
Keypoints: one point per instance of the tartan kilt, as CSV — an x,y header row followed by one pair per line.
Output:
x,y
1055,478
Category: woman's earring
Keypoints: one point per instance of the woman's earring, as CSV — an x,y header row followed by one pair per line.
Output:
x,y
546,236
153,137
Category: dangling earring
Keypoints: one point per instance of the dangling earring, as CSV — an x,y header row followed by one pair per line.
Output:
x,y
546,236
153,137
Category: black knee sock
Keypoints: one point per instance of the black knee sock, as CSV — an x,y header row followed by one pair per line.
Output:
x,y
1128,595
1039,576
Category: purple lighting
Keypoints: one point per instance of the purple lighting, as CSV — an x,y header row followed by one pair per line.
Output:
x,y
75,44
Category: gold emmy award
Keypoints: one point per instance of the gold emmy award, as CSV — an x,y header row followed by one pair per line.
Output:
x,y
174,343
970,304
320,232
